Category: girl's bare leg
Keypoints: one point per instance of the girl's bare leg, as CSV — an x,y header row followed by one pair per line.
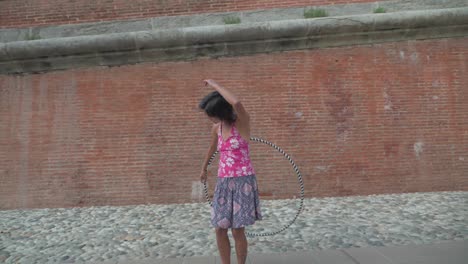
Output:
x,y
224,246
241,244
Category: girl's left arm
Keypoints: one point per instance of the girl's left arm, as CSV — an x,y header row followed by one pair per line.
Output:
x,y
211,151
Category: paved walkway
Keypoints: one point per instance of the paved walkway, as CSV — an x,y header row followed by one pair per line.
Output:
x,y
450,252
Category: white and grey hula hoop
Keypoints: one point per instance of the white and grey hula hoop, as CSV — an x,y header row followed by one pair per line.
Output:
x,y
299,178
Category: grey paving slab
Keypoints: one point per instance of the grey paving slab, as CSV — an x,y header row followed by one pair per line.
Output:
x,y
157,261
299,258
233,260
447,253
199,260
331,257
163,261
195,260
296,258
367,256
267,259
455,252
312,257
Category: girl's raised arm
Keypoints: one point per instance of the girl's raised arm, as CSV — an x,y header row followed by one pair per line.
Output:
x,y
242,114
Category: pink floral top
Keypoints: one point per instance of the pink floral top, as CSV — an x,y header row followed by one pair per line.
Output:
x,y
234,159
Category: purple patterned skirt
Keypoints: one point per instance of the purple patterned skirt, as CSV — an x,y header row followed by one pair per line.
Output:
x,y
235,202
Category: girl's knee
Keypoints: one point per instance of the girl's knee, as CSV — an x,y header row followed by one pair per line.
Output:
x,y
221,231
238,232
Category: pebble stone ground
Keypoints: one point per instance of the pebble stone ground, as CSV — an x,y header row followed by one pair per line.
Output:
x,y
83,235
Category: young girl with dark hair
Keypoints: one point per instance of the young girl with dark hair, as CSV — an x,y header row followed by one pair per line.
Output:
x,y
235,202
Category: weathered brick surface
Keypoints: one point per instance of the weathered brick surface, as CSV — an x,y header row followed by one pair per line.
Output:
x,y
23,13
386,118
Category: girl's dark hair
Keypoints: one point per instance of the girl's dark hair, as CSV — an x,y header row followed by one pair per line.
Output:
x,y
215,105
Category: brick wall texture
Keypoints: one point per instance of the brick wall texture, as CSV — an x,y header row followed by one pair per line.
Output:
x,y
361,120
24,13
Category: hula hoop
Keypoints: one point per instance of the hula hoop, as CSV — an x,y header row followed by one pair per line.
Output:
x,y
299,178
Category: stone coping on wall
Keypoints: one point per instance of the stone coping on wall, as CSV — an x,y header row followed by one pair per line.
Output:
x,y
188,43
212,19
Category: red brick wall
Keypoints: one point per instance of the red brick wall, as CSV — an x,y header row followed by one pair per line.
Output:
x,y
24,13
387,118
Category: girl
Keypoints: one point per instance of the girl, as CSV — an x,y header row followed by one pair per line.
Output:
x,y
235,202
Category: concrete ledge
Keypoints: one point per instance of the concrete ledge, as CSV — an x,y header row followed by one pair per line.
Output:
x,y
210,19
229,40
